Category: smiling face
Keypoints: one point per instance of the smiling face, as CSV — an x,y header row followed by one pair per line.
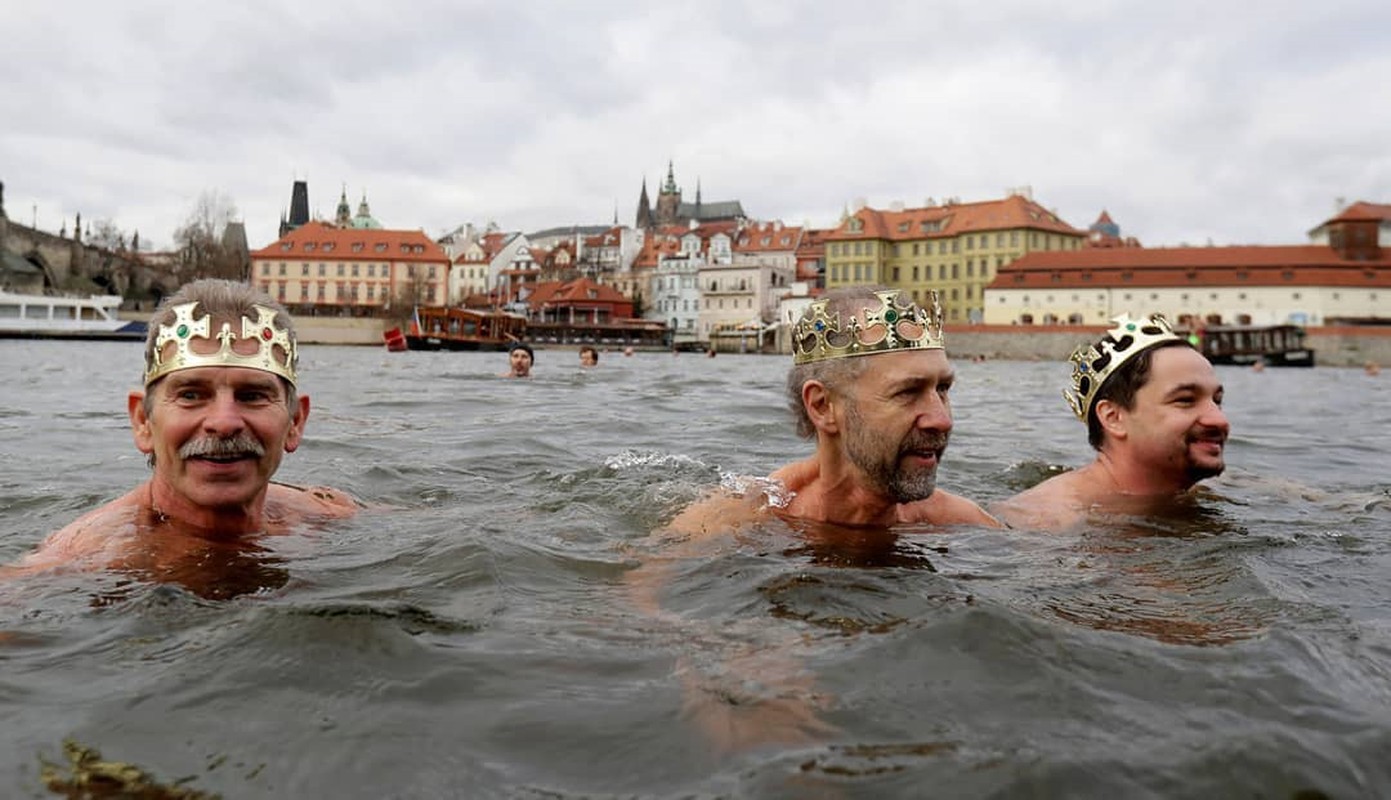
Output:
x,y
217,435
1176,424
897,420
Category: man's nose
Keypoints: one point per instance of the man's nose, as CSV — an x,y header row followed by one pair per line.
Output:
x,y
224,416
1214,417
935,413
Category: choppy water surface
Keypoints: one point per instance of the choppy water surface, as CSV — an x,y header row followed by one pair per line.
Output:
x,y
510,629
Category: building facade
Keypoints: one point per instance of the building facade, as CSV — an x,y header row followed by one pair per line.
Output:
x,y
319,268
956,248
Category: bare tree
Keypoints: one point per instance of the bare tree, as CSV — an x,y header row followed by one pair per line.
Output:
x,y
411,292
203,252
106,235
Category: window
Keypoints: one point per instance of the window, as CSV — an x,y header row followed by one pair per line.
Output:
x,y
304,269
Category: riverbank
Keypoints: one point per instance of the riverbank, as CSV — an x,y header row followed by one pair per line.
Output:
x,y
1334,346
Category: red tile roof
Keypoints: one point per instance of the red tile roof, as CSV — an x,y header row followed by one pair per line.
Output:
x,y
1287,265
1013,212
321,241
767,237
1361,212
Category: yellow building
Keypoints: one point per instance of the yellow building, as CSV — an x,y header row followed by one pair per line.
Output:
x,y
956,248
324,269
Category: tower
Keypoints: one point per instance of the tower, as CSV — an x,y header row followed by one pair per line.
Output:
x,y
669,199
644,218
299,207
344,215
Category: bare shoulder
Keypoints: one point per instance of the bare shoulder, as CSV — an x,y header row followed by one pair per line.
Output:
x,y
321,501
1054,504
87,536
721,511
945,508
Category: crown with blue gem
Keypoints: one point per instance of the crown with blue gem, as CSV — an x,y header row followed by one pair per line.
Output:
x,y
276,350
1093,364
888,327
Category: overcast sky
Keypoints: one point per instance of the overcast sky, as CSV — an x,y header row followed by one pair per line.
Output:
x,y
1188,121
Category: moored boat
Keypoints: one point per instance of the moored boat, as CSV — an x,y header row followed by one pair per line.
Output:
x,y
1272,345
41,316
444,328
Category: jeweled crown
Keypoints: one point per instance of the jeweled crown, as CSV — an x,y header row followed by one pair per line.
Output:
x,y
820,335
276,350
1093,364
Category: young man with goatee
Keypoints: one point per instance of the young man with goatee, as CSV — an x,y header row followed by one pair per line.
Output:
x,y
1153,409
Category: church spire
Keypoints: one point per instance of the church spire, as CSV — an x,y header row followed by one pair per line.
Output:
x,y
345,214
670,186
644,216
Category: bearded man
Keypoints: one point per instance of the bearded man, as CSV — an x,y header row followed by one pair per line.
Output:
x,y
871,383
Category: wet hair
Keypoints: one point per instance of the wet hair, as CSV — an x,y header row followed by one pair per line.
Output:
x,y
523,346
223,299
592,351
835,373
1120,388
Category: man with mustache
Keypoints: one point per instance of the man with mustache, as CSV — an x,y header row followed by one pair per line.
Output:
x,y
1153,408
218,412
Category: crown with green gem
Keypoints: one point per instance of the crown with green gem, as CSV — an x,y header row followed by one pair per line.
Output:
x,y
1093,364
275,352
889,326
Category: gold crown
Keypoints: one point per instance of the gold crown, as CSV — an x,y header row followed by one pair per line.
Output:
x,y
1093,364
819,335
267,335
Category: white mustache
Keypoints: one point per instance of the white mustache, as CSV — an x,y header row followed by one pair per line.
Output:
x,y
243,444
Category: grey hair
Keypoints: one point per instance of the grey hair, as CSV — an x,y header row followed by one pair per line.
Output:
x,y
836,374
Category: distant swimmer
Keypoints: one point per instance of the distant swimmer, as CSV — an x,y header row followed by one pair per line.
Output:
x,y
519,360
218,412
1153,409
589,357
1371,368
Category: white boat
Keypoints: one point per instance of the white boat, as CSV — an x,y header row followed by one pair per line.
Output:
x,y
42,316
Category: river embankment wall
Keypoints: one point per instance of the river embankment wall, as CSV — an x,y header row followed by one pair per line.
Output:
x,y
1334,346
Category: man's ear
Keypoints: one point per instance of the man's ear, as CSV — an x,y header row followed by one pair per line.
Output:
x,y
140,423
1112,418
298,415
820,404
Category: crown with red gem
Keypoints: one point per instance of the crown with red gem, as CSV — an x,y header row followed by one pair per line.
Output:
x,y
276,350
1093,364
889,327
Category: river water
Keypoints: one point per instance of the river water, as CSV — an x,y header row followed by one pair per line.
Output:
x,y
480,636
